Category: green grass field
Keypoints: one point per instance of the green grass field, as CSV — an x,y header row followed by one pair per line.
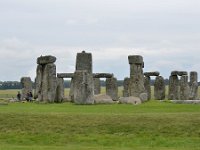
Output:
x,y
151,126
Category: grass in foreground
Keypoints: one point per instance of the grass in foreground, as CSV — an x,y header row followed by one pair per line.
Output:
x,y
153,125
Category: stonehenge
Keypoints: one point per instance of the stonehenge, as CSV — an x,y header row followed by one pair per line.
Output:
x,y
84,83
85,87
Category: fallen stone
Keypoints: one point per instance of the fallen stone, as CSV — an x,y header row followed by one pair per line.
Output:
x,y
130,100
103,99
143,97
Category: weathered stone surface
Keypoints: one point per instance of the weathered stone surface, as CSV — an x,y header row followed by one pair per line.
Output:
x,y
71,92
184,88
103,99
83,87
130,100
143,97
26,86
193,77
126,87
179,73
84,61
49,83
97,86
38,81
46,81
136,86
186,101
173,93
65,75
159,88
102,75
193,94
135,59
112,88
155,73
42,60
147,86
60,90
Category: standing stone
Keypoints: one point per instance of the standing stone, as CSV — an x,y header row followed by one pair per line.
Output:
x,y
112,88
173,93
136,75
184,88
159,88
84,61
193,95
83,87
38,82
193,77
46,81
126,87
71,91
97,86
60,90
26,86
147,85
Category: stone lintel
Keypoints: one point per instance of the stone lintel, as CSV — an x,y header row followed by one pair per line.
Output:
x,y
155,73
65,75
179,73
42,60
102,75
95,75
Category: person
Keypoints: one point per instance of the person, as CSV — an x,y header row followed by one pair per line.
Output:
x,y
27,97
18,96
30,96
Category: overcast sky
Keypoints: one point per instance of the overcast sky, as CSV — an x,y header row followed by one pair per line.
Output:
x,y
165,32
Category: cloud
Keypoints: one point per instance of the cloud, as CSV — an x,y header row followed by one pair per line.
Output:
x,y
165,33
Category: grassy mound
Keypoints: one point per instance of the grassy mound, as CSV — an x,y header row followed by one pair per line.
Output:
x,y
153,125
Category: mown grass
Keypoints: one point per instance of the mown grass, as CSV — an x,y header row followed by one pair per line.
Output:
x,y
153,125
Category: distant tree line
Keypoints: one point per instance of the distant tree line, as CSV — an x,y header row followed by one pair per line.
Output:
x,y
17,85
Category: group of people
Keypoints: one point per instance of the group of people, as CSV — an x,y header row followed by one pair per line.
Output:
x,y
28,98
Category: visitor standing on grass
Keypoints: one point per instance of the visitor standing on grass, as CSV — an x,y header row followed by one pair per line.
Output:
x,y
30,96
19,96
